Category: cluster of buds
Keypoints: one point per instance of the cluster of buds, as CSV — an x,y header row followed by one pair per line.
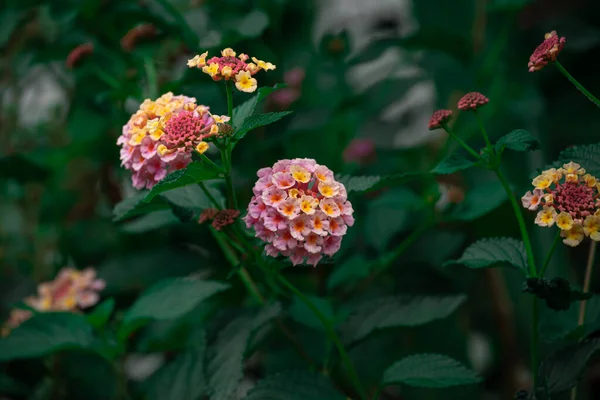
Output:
x,y
546,52
570,199
469,102
219,218
70,291
300,210
160,137
230,67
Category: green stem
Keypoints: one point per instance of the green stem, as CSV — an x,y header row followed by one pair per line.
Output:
x,y
332,336
235,262
209,195
226,160
550,253
210,162
229,92
461,142
483,131
387,260
152,80
535,322
106,78
578,85
521,221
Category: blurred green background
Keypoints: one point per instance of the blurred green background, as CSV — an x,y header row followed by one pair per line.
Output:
x,y
373,70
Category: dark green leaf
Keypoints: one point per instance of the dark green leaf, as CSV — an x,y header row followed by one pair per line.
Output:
x,y
44,334
195,172
258,120
587,156
518,140
181,379
101,313
365,184
557,292
88,376
430,371
479,201
453,163
349,272
169,299
399,311
493,251
225,361
22,169
246,109
304,315
294,385
562,370
134,205
149,222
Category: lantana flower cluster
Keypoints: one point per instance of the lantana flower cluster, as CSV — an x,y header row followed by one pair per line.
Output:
x,y
300,210
230,67
546,52
71,290
160,137
570,199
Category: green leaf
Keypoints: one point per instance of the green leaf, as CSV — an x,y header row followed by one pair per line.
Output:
x,y
195,172
453,163
557,292
587,156
294,385
492,251
192,197
246,109
134,205
44,334
225,361
181,379
101,313
478,201
430,371
88,376
349,272
518,140
304,315
149,222
365,184
168,299
256,121
399,311
562,370
22,169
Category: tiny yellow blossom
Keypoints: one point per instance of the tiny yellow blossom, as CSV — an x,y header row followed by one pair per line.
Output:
x,y
564,221
300,174
214,129
546,217
226,71
228,52
202,147
591,227
253,68
162,150
137,138
243,56
244,82
574,236
327,189
309,204
590,180
211,69
262,64
549,198
572,178
220,119
294,193
573,168
542,181
193,62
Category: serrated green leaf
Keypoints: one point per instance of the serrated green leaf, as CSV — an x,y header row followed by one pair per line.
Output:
x,y
169,299
453,163
365,184
587,156
181,379
399,311
256,121
149,222
246,109
134,205
101,313
294,385
518,140
349,272
430,371
44,334
478,201
302,314
195,172
562,370
192,197
225,361
493,251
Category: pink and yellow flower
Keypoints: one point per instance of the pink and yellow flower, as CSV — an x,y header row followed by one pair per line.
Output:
x,y
570,199
230,67
309,216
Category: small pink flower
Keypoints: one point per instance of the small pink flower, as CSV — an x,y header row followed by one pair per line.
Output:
x,y
313,259
337,227
300,227
439,118
297,255
285,240
320,224
330,208
283,180
274,221
264,172
271,250
313,242
257,209
331,245
546,52
472,101
273,196
289,208
148,147
323,174
531,200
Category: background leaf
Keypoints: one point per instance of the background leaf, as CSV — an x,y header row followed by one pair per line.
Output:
x,y
294,385
518,140
195,172
492,251
256,121
453,163
587,156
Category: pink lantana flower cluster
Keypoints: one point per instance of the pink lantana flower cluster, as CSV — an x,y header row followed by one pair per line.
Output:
x,y
299,210
570,199
546,52
160,137
230,67
71,290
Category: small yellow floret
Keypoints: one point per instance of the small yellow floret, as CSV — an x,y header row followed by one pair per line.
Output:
x,y
564,221
244,82
228,52
212,69
263,65
202,147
